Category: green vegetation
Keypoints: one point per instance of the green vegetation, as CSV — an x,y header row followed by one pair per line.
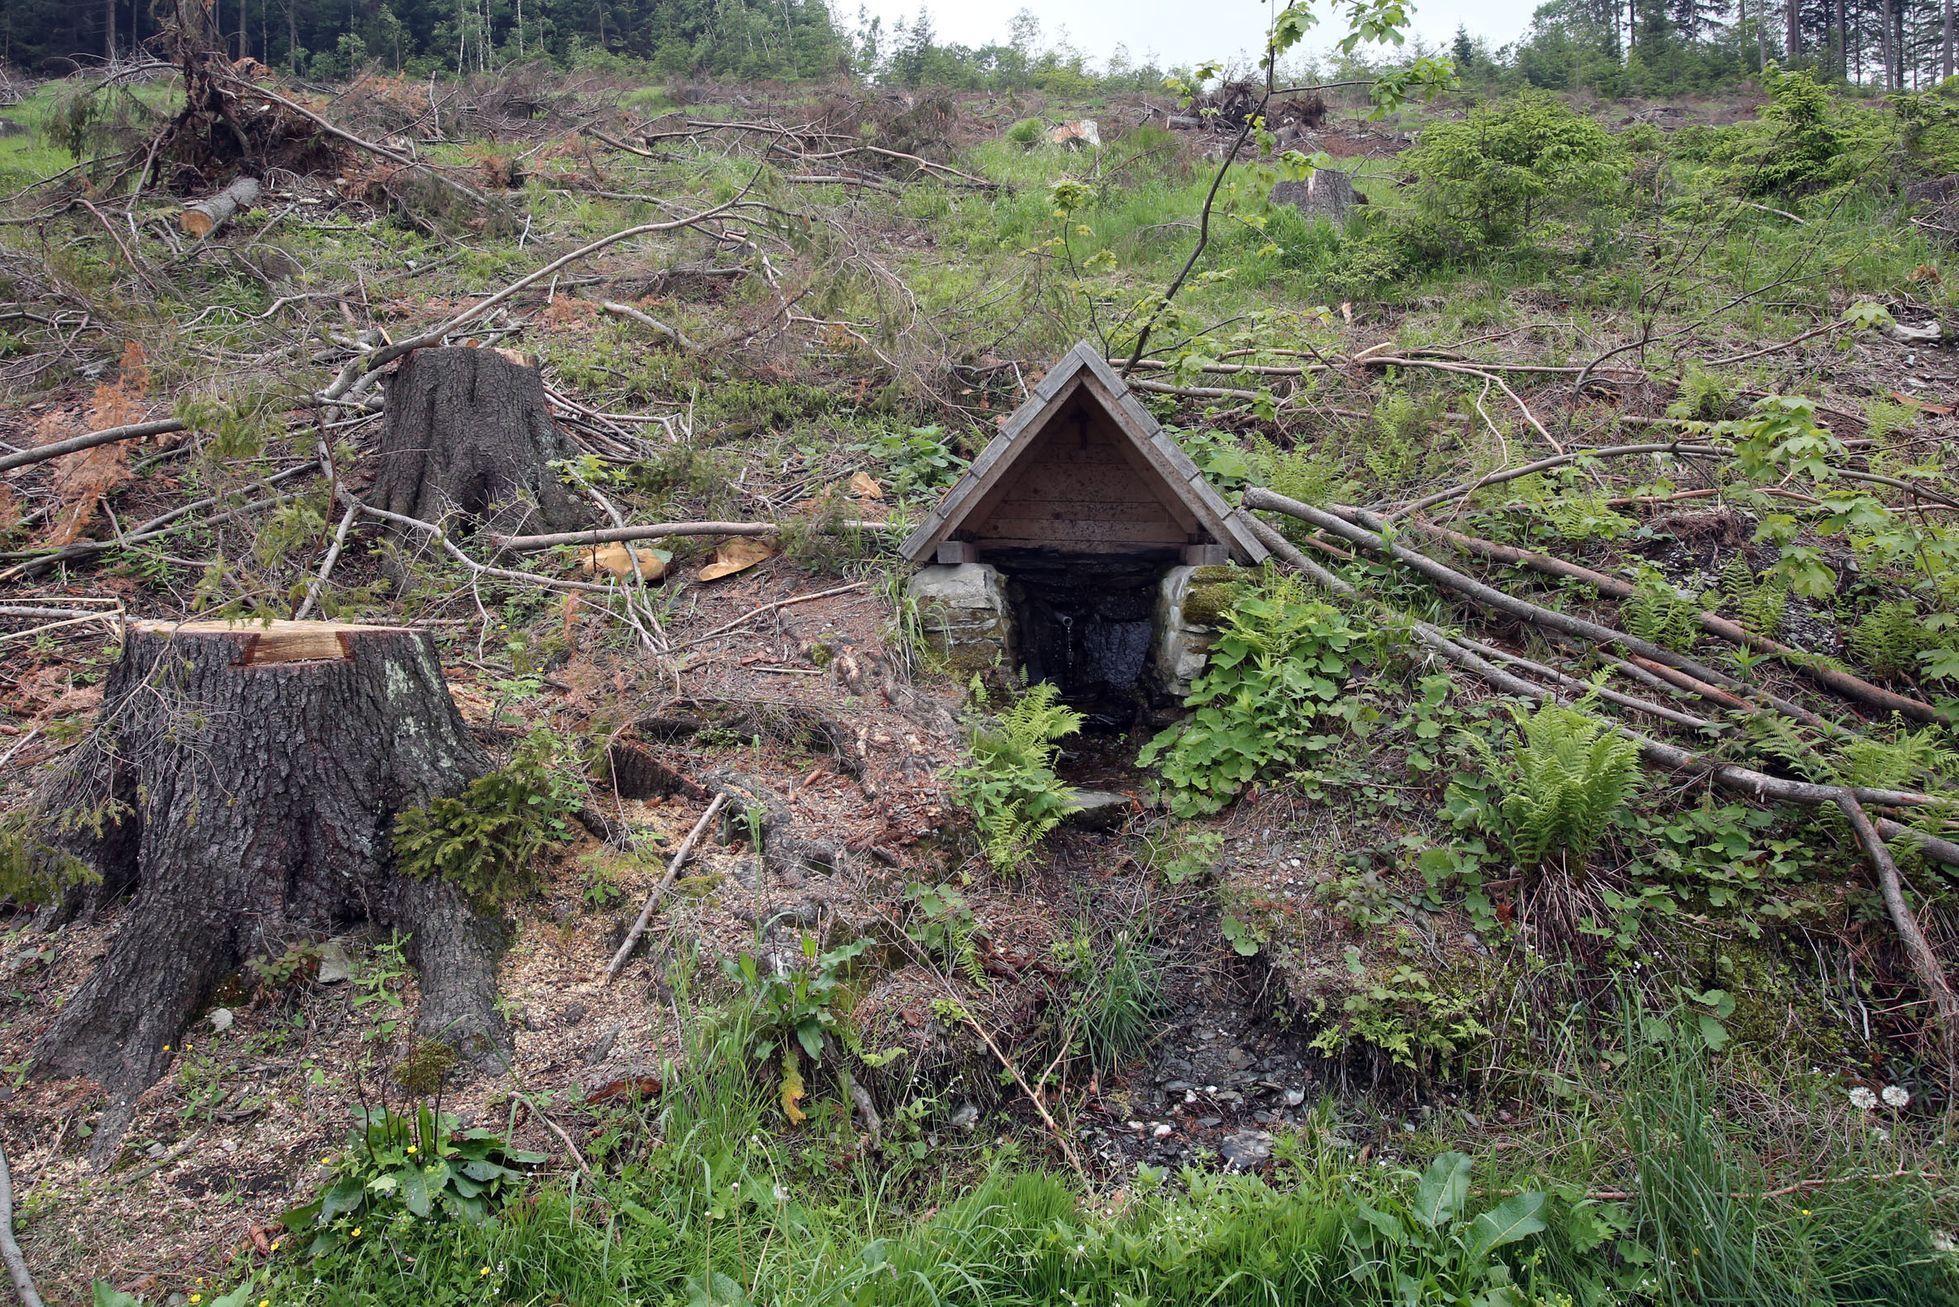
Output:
x,y
1561,786
1009,783
1270,698
399,1169
720,1209
485,841
1525,168
1600,1031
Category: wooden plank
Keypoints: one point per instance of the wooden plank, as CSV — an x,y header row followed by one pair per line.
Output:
x,y
1077,510
1123,548
1110,483
1062,534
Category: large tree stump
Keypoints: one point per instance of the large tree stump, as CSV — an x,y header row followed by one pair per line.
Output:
x,y
1328,193
470,431
244,780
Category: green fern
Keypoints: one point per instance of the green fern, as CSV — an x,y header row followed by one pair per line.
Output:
x,y
1009,785
1657,612
1704,396
1760,602
1783,742
1897,763
1562,785
1579,516
1882,417
1890,638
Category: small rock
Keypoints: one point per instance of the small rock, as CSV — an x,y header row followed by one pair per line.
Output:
x,y
1210,1122
1246,1150
573,1014
1097,809
1162,1130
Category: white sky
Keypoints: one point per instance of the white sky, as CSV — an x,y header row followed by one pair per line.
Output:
x,y
1177,31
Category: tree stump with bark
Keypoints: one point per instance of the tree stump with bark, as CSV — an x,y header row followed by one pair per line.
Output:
x,y
470,431
1328,193
244,781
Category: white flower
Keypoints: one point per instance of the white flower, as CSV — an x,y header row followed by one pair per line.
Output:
x,y
1863,1097
1896,1095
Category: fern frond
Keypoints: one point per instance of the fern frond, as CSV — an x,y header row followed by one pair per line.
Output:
x,y
1563,784
1657,612
1889,639
1783,741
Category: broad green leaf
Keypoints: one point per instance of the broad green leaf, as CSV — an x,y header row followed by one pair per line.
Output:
x,y
1443,1190
1516,1217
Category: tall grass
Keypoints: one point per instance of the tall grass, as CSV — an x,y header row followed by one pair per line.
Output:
x,y
707,1203
1722,1230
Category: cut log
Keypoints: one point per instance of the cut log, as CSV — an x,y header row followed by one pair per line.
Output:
x,y
203,217
244,781
469,431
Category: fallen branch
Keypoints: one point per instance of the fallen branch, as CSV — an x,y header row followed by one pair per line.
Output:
x,y
1714,624
1502,475
1746,781
9,1246
652,900
448,546
362,365
1918,949
673,334
107,436
1366,533
318,583
554,1127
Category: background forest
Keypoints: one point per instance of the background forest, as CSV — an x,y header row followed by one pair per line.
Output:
x,y
1644,47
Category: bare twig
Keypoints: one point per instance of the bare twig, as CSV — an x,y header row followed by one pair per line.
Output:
x,y
652,900
9,1246
751,615
106,436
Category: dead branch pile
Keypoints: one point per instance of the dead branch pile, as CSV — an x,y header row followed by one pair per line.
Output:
x,y
224,129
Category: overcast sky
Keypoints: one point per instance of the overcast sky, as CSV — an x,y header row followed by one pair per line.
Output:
x,y
1181,31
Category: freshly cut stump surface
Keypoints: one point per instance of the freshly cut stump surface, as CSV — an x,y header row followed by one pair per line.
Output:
x,y
244,780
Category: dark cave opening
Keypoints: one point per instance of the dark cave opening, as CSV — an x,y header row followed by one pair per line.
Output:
x,y
1087,623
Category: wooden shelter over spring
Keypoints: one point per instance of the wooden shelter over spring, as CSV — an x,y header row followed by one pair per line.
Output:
x,y
1069,550
1082,468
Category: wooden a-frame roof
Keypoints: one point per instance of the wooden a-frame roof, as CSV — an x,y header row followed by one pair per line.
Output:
x,y
1083,374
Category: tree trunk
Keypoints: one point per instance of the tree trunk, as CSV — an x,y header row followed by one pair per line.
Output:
x,y
244,780
205,216
1792,11
470,431
109,30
